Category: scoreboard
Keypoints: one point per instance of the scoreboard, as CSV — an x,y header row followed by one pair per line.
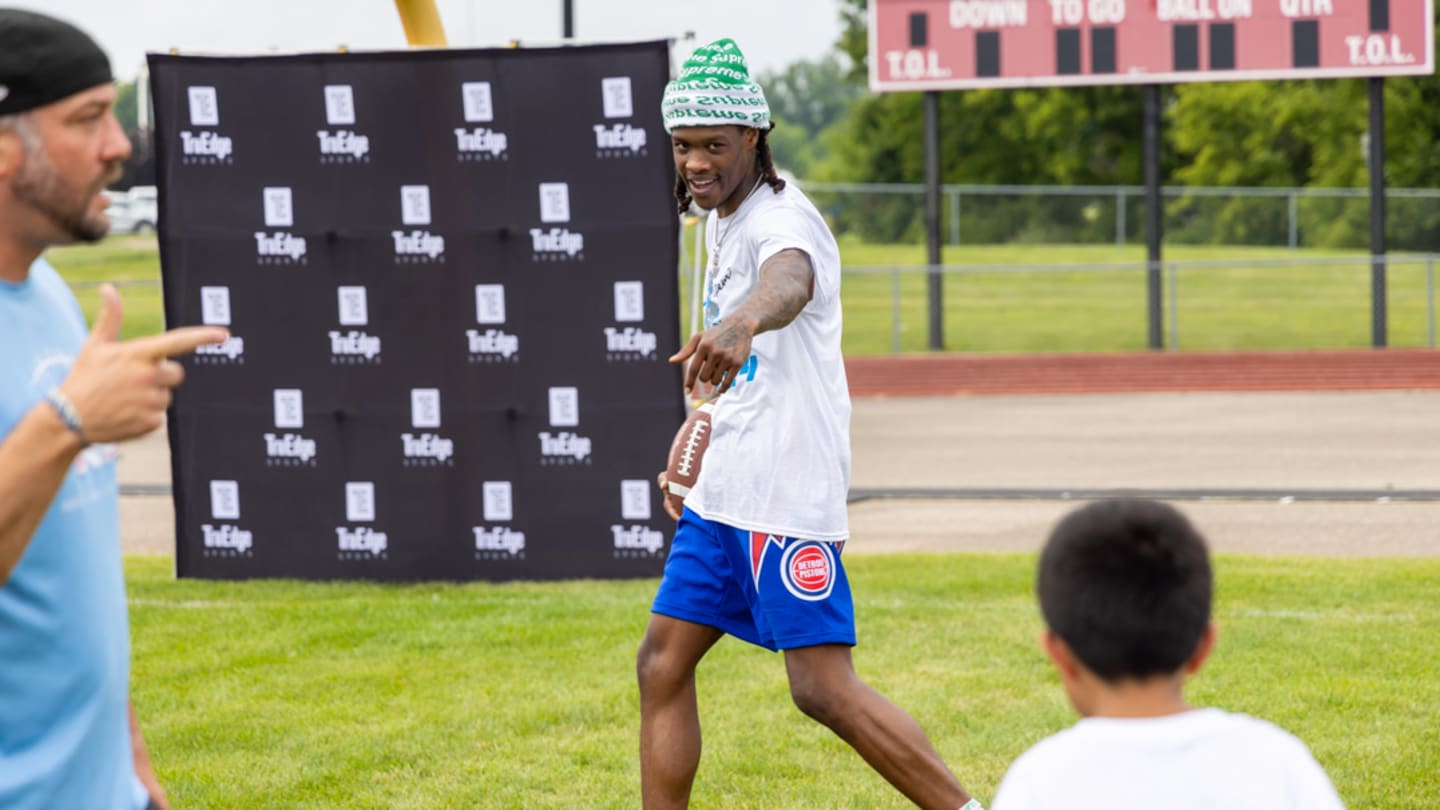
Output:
x,y
969,44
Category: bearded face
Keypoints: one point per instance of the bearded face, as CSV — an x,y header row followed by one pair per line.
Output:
x,y
67,200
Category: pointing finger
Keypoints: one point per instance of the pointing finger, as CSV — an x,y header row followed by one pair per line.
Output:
x,y
689,349
179,341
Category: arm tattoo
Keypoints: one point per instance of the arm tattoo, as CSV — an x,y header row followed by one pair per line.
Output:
x,y
785,286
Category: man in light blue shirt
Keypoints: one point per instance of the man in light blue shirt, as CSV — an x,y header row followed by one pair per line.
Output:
x,y
68,735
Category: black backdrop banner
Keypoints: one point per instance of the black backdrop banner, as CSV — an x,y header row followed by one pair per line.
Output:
x,y
450,280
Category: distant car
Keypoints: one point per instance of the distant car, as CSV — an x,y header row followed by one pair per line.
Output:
x,y
134,211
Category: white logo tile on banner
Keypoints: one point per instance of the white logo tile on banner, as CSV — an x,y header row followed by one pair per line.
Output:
x,y
630,343
339,104
279,207
498,500
490,303
554,202
491,345
615,91
343,146
629,301
225,540
215,306
618,139
415,205
225,500
635,499
636,541
478,103
289,408
204,106
564,406
426,449
479,143
208,147
360,501
354,310
425,407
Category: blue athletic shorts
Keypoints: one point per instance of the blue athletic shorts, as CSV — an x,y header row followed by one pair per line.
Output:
x,y
776,592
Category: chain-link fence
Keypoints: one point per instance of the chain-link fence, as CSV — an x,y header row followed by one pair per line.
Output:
x,y
1335,218
1024,300
1207,305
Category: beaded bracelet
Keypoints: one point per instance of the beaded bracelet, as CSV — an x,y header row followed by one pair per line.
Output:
x,y
66,411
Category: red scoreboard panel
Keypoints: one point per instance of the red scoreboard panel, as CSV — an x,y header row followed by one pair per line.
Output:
x,y
963,44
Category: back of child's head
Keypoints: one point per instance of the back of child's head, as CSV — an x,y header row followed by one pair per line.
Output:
x,y
1126,585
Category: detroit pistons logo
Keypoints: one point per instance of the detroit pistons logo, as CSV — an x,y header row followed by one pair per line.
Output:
x,y
808,570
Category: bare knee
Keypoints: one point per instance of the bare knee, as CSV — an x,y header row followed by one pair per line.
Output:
x,y
823,684
654,673
665,663
818,698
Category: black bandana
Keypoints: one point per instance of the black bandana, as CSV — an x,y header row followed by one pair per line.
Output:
x,y
43,59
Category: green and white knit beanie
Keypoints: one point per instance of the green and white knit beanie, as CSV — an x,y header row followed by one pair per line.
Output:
x,y
714,89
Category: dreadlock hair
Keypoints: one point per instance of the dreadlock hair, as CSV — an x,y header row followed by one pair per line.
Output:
x,y
762,159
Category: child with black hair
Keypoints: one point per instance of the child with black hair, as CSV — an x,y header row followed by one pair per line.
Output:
x,y
1125,589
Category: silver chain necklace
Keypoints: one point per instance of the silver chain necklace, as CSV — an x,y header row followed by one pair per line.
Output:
x,y
721,233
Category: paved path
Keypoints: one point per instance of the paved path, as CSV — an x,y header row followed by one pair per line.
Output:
x,y
1372,441
1130,372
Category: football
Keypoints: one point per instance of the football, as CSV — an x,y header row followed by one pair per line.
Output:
x,y
687,451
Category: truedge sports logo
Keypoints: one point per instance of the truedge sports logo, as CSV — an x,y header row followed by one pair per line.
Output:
x,y
498,542
556,244
418,246
479,143
206,147
342,145
493,345
564,447
629,343
280,247
353,346
635,540
215,311
618,139
426,449
225,539
361,542
289,449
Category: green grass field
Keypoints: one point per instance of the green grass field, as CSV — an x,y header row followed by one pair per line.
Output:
x,y
281,694
1239,306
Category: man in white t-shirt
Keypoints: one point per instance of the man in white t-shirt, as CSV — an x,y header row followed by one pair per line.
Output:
x,y
757,550
1125,588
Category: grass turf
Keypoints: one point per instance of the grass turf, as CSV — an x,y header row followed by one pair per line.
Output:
x,y
1240,306
321,695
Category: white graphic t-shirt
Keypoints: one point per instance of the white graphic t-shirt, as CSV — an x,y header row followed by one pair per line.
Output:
x,y
1197,760
779,455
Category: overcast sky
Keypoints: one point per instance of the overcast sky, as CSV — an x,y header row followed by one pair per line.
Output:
x,y
772,33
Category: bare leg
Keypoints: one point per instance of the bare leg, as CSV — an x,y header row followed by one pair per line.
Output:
x,y
669,718
824,686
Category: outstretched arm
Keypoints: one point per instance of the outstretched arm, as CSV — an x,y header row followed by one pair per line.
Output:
x,y
785,286
117,391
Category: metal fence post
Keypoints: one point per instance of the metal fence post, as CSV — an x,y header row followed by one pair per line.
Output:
x,y
1120,218
954,217
894,310
1430,296
1295,227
